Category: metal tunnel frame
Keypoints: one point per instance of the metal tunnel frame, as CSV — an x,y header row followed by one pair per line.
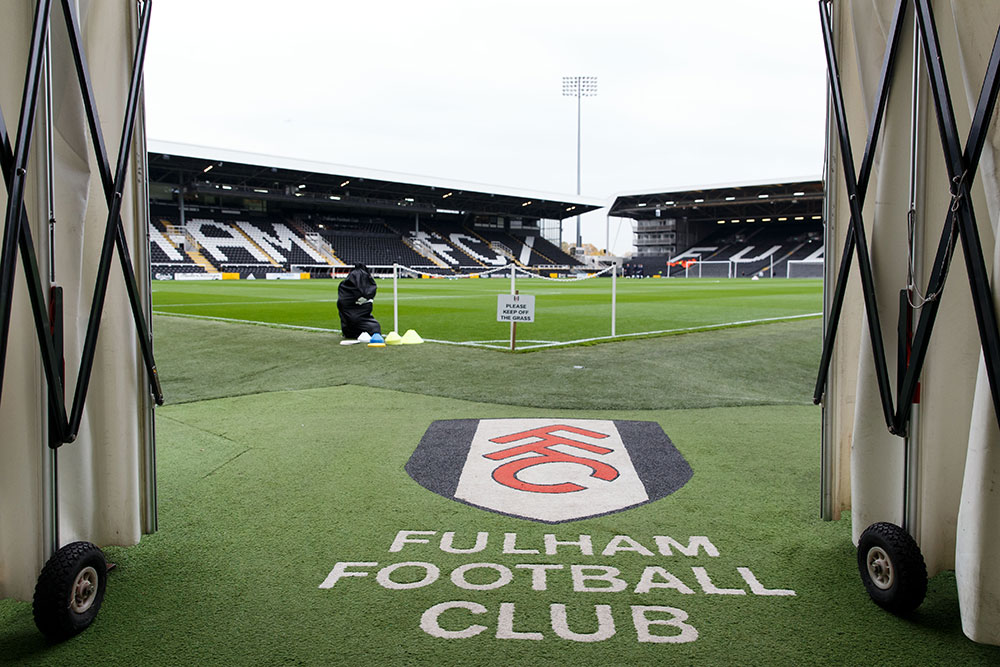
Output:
x,y
17,235
960,220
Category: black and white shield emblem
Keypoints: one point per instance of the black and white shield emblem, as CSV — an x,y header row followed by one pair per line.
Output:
x,y
548,470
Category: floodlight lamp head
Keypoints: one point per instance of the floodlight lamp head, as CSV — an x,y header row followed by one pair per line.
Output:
x,y
579,86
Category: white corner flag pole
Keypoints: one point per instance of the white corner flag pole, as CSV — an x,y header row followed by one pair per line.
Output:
x,y
395,298
614,296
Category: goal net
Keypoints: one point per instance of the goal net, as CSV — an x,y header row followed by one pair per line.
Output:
x,y
804,268
710,268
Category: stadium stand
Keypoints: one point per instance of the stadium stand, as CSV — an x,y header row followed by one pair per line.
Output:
x,y
544,252
223,211
168,249
754,249
469,247
746,229
527,249
222,243
251,244
283,245
371,242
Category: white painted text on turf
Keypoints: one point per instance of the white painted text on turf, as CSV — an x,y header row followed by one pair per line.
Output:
x,y
462,619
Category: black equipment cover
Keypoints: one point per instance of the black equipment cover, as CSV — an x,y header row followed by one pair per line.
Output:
x,y
354,301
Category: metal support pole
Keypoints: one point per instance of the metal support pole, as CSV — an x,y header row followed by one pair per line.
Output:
x,y
50,462
911,443
579,105
180,205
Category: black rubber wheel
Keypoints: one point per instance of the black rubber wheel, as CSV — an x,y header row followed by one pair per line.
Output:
x,y
70,590
892,568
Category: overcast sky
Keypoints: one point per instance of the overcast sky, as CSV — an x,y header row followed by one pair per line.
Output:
x,y
690,93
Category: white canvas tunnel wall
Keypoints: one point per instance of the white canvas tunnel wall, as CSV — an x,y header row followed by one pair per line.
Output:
x,y
104,484
946,491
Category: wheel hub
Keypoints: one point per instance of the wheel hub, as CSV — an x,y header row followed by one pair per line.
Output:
x,y
84,590
880,568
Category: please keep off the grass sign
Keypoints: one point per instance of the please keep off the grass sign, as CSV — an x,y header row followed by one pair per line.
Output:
x,y
515,308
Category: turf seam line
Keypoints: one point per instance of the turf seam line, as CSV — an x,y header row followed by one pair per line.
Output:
x,y
225,463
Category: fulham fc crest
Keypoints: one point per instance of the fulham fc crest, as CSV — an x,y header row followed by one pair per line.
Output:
x,y
548,470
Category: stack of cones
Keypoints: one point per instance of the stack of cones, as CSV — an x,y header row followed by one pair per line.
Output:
x,y
411,337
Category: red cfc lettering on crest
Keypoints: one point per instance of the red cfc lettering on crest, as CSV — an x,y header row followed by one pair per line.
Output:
x,y
506,474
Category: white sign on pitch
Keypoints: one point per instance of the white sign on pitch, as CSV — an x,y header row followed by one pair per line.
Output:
x,y
515,308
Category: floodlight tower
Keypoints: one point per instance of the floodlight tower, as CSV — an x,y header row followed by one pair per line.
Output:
x,y
579,87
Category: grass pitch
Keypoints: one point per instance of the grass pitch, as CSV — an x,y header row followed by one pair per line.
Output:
x,y
282,454
464,311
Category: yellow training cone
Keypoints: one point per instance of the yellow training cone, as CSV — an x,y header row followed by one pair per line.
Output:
x,y
393,338
411,337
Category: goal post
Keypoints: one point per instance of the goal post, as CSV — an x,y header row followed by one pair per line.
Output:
x,y
712,268
804,268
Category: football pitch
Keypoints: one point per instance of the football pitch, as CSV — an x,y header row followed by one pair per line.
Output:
x,y
299,526
464,311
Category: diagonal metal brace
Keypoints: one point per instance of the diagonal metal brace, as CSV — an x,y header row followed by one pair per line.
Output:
x,y
857,186
15,175
114,230
960,219
962,167
14,161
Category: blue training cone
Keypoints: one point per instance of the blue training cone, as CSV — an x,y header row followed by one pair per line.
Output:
x,y
377,341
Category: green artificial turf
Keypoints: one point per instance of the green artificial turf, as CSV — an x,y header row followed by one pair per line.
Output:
x,y
260,497
282,453
764,364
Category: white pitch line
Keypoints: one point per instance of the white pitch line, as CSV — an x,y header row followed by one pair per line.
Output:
x,y
538,346
231,319
706,327
244,303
